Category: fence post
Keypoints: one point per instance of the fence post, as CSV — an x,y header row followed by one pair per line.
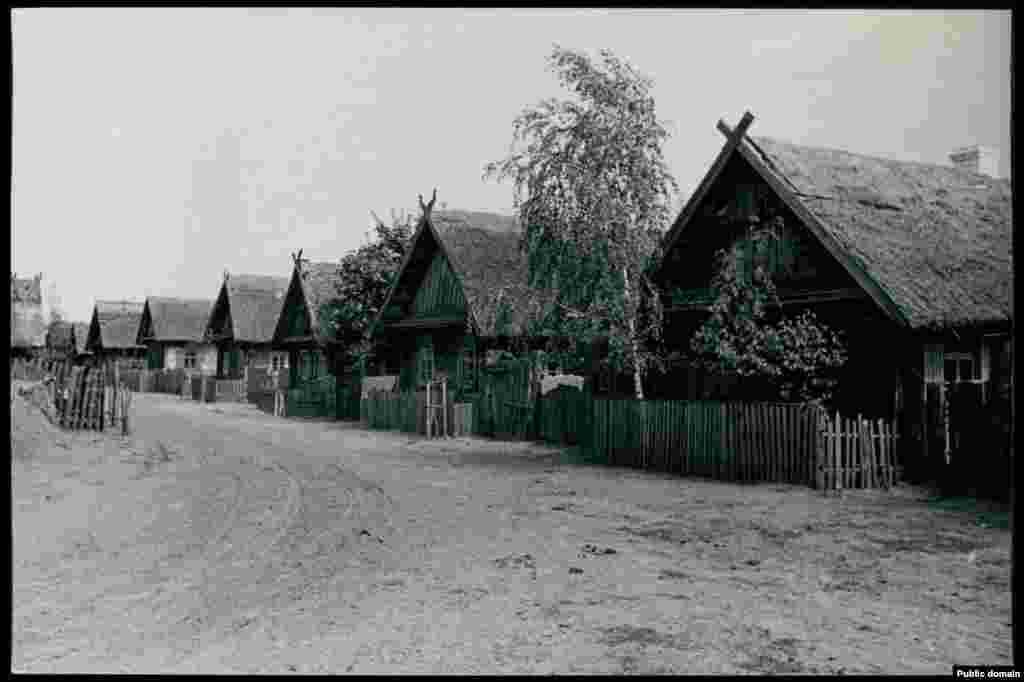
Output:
x,y
125,429
820,442
101,399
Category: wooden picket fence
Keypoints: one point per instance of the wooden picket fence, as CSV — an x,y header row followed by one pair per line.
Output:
x,y
312,398
395,412
461,423
133,379
746,442
199,387
564,415
857,453
348,392
406,412
167,381
229,390
504,408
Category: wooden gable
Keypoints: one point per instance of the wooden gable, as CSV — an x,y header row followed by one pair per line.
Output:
x,y
736,213
295,321
417,260
220,326
95,340
440,292
145,325
427,292
154,351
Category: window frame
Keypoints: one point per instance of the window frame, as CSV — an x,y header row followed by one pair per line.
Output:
x,y
958,358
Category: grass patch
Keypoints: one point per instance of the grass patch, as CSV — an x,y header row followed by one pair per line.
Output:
x,y
989,514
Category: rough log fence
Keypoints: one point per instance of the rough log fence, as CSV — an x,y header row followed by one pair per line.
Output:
x,y
75,397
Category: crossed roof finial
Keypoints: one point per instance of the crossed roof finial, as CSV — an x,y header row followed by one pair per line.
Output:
x,y
429,206
740,130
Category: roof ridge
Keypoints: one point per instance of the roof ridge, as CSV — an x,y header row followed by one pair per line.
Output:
x,y
771,164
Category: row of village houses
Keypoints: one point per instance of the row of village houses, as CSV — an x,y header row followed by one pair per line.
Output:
x,y
912,261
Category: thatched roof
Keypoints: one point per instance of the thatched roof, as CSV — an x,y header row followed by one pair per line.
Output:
x,y
492,222
936,238
932,244
26,289
254,304
483,250
174,319
115,325
319,282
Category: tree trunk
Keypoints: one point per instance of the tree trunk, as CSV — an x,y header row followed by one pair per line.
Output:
x,y
634,345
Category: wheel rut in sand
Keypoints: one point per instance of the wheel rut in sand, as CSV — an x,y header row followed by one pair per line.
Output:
x,y
360,493
266,562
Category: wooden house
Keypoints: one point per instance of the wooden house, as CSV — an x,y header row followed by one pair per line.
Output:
x,y
303,328
242,322
28,319
113,333
172,331
461,288
911,262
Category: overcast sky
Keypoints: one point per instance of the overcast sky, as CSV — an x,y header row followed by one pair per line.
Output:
x,y
155,148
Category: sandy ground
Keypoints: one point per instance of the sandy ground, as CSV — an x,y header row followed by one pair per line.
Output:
x,y
217,539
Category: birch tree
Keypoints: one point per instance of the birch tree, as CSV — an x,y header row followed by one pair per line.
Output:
x,y
593,192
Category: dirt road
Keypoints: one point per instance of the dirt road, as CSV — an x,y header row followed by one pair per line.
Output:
x,y
218,539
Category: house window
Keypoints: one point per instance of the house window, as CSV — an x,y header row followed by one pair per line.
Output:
x,y
191,360
314,364
961,368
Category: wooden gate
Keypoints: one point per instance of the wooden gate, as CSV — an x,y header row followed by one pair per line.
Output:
x,y
857,453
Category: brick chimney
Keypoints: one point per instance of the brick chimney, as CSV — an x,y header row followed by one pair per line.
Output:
x,y
977,159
